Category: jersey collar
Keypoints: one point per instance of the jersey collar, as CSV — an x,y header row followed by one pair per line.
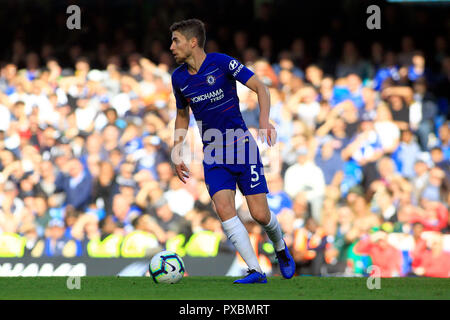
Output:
x,y
203,65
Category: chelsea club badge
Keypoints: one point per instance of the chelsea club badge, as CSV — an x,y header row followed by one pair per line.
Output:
x,y
210,80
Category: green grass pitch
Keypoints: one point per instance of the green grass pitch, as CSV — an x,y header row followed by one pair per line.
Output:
x,y
222,288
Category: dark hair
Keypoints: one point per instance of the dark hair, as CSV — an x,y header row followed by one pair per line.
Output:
x,y
41,195
71,212
19,102
83,59
191,28
111,109
436,148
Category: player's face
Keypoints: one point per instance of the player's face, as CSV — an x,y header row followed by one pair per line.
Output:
x,y
180,47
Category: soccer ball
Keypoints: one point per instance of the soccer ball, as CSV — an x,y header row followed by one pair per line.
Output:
x,y
166,267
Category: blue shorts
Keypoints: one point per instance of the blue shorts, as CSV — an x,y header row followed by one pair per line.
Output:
x,y
247,173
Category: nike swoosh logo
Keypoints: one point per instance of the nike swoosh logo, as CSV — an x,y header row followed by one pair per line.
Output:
x,y
182,89
173,267
252,186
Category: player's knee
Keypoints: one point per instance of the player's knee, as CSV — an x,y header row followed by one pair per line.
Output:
x,y
261,216
225,209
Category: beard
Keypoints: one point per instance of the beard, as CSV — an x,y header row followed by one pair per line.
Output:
x,y
179,60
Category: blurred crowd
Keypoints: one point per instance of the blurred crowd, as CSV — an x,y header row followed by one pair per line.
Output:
x,y
360,175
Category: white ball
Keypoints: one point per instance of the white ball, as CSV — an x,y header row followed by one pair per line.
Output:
x,y
166,267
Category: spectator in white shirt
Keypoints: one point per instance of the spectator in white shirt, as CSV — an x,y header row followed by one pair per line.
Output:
x,y
305,176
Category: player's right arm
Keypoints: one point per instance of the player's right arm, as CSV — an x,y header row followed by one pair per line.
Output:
x,y
181,128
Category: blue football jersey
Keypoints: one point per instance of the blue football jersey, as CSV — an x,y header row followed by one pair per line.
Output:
x,y
211,93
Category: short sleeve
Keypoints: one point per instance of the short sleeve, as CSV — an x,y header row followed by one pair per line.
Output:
x,y
181,102
233,68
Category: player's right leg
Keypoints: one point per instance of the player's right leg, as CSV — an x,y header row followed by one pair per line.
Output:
x,y
238,235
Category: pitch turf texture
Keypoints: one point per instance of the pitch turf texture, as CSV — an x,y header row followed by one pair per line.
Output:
x,y
222,288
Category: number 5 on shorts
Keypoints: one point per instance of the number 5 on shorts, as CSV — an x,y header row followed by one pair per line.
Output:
x,y
255,175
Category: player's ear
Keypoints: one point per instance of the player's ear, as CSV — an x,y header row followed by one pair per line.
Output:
x,y
194,42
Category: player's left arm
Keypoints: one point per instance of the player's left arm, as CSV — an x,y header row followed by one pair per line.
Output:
x,y
266,129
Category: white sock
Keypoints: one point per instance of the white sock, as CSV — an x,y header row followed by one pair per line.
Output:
x,y
236,232
274,233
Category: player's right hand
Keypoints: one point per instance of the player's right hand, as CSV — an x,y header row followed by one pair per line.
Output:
x,y
267,133
182,171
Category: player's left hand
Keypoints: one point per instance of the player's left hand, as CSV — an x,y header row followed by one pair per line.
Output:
x,y
267,133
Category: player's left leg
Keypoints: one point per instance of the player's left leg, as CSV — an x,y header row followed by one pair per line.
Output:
x,y
221,184
259,210
253,185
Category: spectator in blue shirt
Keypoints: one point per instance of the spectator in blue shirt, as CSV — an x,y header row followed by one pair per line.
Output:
x,y
124,212
131,139
437,156
150,155
389,70
76,184
328,158
251,113
354,85
444,139
365,150
417,69
58,244
351,90
285,62
407,154
277,198
94,147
